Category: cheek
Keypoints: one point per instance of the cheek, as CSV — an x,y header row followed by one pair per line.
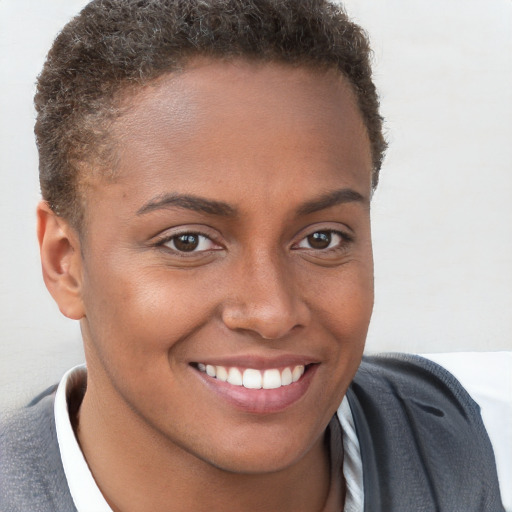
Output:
x,y
133,332
343,307
140,314
345,293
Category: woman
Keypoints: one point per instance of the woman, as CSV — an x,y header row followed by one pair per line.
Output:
x,y
206,170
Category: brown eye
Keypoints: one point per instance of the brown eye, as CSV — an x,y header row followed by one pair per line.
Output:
x,y
190,242
320,239
325,240
187,242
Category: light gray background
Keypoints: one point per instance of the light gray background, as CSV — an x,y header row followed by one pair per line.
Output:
x,y
442,216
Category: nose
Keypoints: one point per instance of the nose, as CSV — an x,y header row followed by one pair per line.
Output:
x,y
264,299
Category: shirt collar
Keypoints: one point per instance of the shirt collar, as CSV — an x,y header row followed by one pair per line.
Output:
x,y
352,462
84,491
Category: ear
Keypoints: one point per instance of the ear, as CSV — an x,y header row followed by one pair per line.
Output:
x,y
61,261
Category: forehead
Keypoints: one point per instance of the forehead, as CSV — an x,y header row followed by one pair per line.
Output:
x,y
217,120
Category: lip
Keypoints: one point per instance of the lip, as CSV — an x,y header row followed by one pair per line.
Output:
x,y
259,401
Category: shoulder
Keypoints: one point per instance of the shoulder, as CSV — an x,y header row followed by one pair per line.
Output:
x,y
418,394
422,438
414,377
31,473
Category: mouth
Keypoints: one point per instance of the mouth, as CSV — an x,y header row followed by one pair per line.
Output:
x,y
257,390
252,378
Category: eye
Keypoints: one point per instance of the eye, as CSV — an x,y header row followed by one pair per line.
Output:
x,y
189,242
323,240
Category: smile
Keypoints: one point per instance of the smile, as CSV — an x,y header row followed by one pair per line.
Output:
x,y
251,378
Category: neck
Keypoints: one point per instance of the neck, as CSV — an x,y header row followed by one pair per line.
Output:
x,y
139,469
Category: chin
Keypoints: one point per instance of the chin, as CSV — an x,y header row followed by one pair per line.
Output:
x,y
252,464
276,453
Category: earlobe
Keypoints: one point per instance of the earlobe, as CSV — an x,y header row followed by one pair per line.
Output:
x,y
61,261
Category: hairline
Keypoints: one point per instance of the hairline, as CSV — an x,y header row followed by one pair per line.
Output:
x,y
94,167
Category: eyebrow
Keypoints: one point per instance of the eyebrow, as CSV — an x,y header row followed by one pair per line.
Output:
x,y
341,196
212,207
194,203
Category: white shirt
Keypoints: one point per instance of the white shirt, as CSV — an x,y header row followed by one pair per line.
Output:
x,y
492,391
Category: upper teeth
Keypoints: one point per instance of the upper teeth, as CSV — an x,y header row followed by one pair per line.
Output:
x,y
254,379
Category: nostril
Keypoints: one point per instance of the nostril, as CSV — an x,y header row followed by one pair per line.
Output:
x,y
268,323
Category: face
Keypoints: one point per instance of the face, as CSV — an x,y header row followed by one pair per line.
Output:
x,y
227,272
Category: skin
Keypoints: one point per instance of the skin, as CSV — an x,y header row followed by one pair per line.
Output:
x,y
275,145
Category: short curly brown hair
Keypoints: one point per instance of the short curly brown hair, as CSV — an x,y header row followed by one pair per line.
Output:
x,y
115,45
